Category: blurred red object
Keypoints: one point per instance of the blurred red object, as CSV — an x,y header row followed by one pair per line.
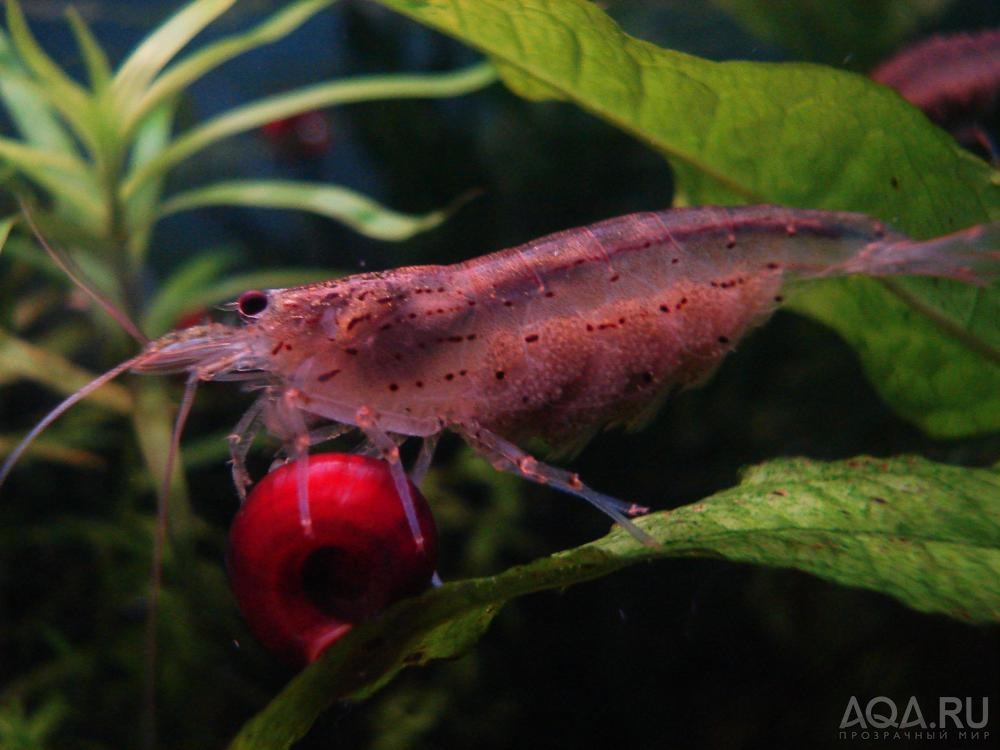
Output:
x,y
302,136
954,79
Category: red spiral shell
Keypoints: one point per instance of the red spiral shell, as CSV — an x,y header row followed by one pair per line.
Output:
x,y
298,593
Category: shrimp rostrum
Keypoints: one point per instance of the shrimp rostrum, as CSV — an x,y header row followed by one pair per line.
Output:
x,y
555,339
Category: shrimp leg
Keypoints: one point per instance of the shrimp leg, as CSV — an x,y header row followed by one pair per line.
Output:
x,y
505,456
285,419
240,441
424,458
389,448
319,435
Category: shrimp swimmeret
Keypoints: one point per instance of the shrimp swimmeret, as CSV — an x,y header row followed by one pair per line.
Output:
x,y
556,338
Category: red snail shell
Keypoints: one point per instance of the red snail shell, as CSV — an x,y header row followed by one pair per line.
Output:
x,y
300,593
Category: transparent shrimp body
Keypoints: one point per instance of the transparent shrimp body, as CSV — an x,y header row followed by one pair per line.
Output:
x,y
556,339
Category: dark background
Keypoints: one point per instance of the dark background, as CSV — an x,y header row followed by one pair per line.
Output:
x,y
679,653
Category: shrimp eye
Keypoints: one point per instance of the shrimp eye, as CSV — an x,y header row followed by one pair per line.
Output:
x,y
251,304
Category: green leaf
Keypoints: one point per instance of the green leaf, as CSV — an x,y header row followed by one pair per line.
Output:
x,y
339,203
230,287
150,138
184,73
153,422
61,174
18,358
935,358
195,287
29,109
255,114
924,533
22,730
794,134
174,298
61,91
54,452
98,69
25,157
760,131
159,48
73,192
5,226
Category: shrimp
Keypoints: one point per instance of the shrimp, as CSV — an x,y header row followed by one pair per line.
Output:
x,y
555,339
954,79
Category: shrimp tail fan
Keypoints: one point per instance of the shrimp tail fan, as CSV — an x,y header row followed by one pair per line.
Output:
x,y
971,256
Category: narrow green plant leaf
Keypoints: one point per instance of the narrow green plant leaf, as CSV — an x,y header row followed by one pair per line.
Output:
x,y
159,48
319,96
99,271
72,193
24,156
6,225
173,299
20,728
48,450
357,211
150,138
29,109
98,69
182,74
18,358
152,420
195,287
61,174
925,533
231,286
62,92
794,134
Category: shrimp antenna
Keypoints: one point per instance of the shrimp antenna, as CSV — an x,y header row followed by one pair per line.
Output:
x,y
57,412
71,269
159,543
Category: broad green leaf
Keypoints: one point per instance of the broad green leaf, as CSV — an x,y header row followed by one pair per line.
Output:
x,y
848,33
184,73
952,389
5,226
925,533
62,92
794,134
357,211
159,48
256,114
20,359
803,135
96,61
